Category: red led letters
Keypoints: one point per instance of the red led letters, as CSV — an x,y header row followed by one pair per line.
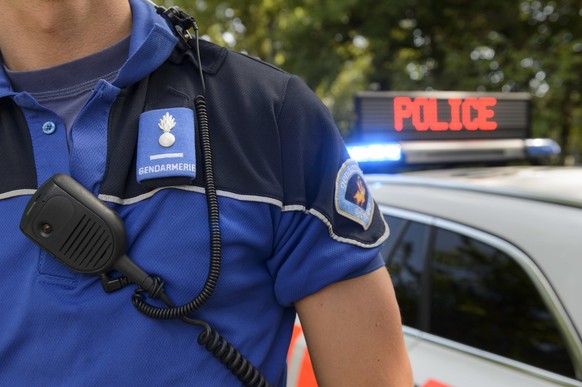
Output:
x,y
468,114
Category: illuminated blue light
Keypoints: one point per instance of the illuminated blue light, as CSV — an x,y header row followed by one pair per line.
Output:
x,y
375,152
540,147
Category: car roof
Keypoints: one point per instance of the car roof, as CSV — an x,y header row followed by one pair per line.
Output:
x,y
555,184
536,209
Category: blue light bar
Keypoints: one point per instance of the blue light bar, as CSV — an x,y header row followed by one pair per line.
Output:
x,y
540,147
375,152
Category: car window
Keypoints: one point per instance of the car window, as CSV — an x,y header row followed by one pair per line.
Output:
x,y
479,295
405,265
396,226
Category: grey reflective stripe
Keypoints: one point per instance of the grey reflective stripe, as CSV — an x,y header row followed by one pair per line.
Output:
x,y
257,199
18,192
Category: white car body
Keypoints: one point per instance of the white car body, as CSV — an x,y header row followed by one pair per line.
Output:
x,y
532,214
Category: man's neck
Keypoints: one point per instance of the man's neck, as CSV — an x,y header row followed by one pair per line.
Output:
x,y
37,34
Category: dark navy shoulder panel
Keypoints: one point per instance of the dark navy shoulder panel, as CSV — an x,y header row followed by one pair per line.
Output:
x,y
16,156
315,163
272,138
242,111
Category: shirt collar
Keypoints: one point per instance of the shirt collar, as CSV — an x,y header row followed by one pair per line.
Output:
x,y
151,43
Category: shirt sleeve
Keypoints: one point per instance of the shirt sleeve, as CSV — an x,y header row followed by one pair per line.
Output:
x,y
329,228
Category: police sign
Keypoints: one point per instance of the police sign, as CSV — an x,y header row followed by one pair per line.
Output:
x,y
429,116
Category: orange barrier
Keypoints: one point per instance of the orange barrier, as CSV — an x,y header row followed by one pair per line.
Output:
x,y
300,372
434,383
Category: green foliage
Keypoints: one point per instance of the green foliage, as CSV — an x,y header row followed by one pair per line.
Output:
x,y
340,47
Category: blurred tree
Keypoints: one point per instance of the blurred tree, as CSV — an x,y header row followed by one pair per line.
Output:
x,y
343,46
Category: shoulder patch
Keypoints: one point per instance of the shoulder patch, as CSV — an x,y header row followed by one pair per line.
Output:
x,y
166,144
352,198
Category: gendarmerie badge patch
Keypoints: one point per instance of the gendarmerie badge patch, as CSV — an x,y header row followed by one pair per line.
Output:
x,y
352,198
165,145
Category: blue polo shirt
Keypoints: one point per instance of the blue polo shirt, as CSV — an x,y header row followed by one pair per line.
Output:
x,y
295,216
64,89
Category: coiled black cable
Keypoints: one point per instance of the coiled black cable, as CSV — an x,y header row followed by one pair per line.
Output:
x,y
214,343
242,368
225,352
214,227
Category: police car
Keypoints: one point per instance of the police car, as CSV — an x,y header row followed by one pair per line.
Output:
x,y
486,263
486,260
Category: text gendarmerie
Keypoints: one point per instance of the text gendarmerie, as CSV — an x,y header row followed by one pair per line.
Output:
x,y
166,168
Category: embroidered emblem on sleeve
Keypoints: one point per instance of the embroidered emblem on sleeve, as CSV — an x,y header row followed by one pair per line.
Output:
x,y
352,198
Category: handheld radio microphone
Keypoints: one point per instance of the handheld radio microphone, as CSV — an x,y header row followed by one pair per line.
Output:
x,y
79,230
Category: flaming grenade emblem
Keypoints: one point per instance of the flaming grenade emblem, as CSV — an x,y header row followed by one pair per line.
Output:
x,y
167,123
360,196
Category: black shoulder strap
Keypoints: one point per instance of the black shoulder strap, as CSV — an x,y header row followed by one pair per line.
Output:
x,y
16,154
